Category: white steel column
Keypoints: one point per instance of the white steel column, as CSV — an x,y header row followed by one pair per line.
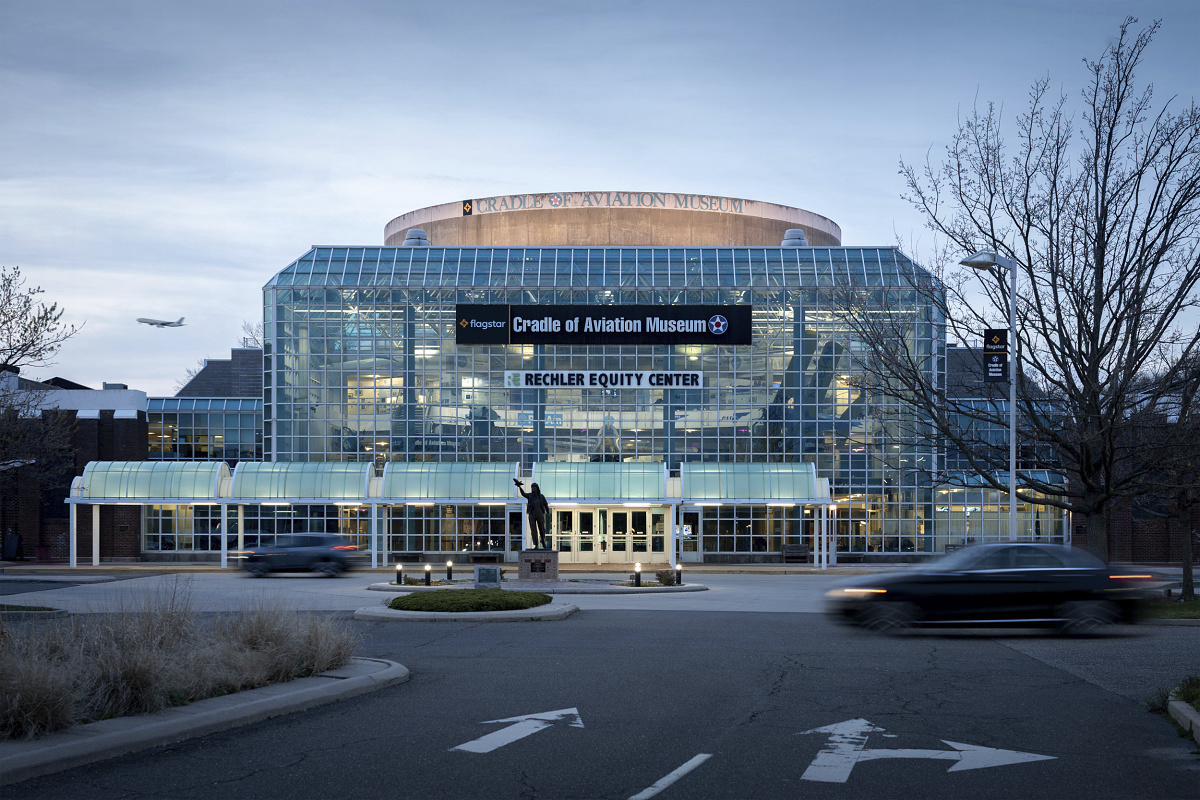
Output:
x,y
374,538
74,545
674,542
241,527
95,535
224,536
823,548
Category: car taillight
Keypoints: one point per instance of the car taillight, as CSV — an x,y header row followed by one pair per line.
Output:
x,y
1132,577
344,547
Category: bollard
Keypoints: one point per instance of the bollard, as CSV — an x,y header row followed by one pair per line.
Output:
x,y
678,574
449,570
429,575
637,574
399,574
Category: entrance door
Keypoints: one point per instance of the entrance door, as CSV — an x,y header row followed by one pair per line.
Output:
x,y
565,535
618,538
575,536
689,535
586,551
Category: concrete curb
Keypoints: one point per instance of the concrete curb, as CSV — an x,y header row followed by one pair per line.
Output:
x,y
1187,717
546,613
1159,621
96,741
14,616
549,588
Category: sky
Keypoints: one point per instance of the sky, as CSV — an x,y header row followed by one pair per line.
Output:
x,y
164,159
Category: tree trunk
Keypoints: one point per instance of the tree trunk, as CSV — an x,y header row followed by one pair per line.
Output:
x,y
1097,532
1187,588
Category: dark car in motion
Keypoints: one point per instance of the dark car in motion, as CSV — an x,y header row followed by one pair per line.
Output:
x,y
1008,584
324,553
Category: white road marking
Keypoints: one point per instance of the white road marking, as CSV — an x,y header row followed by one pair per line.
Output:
x,y
671,777
523,726
846,747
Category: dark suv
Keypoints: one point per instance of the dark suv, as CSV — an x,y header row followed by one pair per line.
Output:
x,y
325,553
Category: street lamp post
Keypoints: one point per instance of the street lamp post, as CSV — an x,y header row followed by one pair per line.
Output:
x,y
985,260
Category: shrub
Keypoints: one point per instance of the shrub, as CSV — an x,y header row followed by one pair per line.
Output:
x,y
666,577
161,654
457,600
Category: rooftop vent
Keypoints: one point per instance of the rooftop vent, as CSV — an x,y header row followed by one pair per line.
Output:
x,y
794,237
415,238
109,387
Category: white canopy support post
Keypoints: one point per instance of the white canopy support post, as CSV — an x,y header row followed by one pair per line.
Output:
x,y
674,543
374,537
95,534
224,536
73,544
241,527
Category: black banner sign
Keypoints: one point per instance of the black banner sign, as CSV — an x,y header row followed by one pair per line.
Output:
x,y
468,207
602,325
995,355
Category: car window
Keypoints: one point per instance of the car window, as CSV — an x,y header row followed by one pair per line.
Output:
x,y
1036,558
996,559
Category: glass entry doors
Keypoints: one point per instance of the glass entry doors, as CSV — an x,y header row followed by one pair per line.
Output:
x,y
610,536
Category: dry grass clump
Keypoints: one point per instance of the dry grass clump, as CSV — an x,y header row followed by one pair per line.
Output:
x,y
161,654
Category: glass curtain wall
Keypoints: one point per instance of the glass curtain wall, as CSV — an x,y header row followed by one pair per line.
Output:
x,y
361,364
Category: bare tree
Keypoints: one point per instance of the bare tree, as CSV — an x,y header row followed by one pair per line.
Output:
x,y
252,334
1102,217
31,332
34,442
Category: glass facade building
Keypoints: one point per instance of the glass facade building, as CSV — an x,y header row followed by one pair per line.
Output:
x,y
362,363
205,429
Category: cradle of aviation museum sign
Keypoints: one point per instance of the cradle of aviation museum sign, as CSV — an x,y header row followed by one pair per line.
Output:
x,y
601,325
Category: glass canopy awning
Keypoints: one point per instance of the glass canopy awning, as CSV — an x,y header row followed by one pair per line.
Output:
x,y
585,482
108,482
297,481
424,482
753,483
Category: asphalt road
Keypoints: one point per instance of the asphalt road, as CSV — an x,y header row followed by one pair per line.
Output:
x,y
653,692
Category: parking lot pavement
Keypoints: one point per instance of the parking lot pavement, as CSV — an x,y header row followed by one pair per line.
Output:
x,y
228,591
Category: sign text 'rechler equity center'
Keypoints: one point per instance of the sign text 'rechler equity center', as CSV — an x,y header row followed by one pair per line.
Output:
x,y
602,325
566,379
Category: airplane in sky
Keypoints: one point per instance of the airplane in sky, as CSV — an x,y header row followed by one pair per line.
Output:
x,y
161,323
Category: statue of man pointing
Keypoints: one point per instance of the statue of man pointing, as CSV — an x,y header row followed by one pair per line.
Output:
x,y
537,509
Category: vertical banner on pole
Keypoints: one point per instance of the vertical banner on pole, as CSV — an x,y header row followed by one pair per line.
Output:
x,y
995,355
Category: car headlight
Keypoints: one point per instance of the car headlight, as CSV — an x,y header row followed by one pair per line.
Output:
x,y
854,591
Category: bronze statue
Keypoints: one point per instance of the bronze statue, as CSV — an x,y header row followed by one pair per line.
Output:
x,y
537,508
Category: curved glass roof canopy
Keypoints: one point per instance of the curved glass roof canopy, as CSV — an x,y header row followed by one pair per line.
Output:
x,y
586,482
753,483
293,481
144,481
457,482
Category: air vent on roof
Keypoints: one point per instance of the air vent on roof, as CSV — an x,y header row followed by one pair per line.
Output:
x,y
794,237
415,237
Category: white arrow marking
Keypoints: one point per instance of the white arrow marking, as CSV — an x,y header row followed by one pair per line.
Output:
x,y
846,747
526,725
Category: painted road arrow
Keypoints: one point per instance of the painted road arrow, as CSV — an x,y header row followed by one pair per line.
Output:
x,y
846,746
526,725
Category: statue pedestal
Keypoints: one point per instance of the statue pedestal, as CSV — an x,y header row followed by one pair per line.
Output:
x,y
537,565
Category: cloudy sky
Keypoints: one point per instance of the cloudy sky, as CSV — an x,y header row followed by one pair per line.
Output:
x,y
161,158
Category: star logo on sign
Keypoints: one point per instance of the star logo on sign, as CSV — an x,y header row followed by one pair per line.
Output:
x,y
718,324
555,200
463,323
